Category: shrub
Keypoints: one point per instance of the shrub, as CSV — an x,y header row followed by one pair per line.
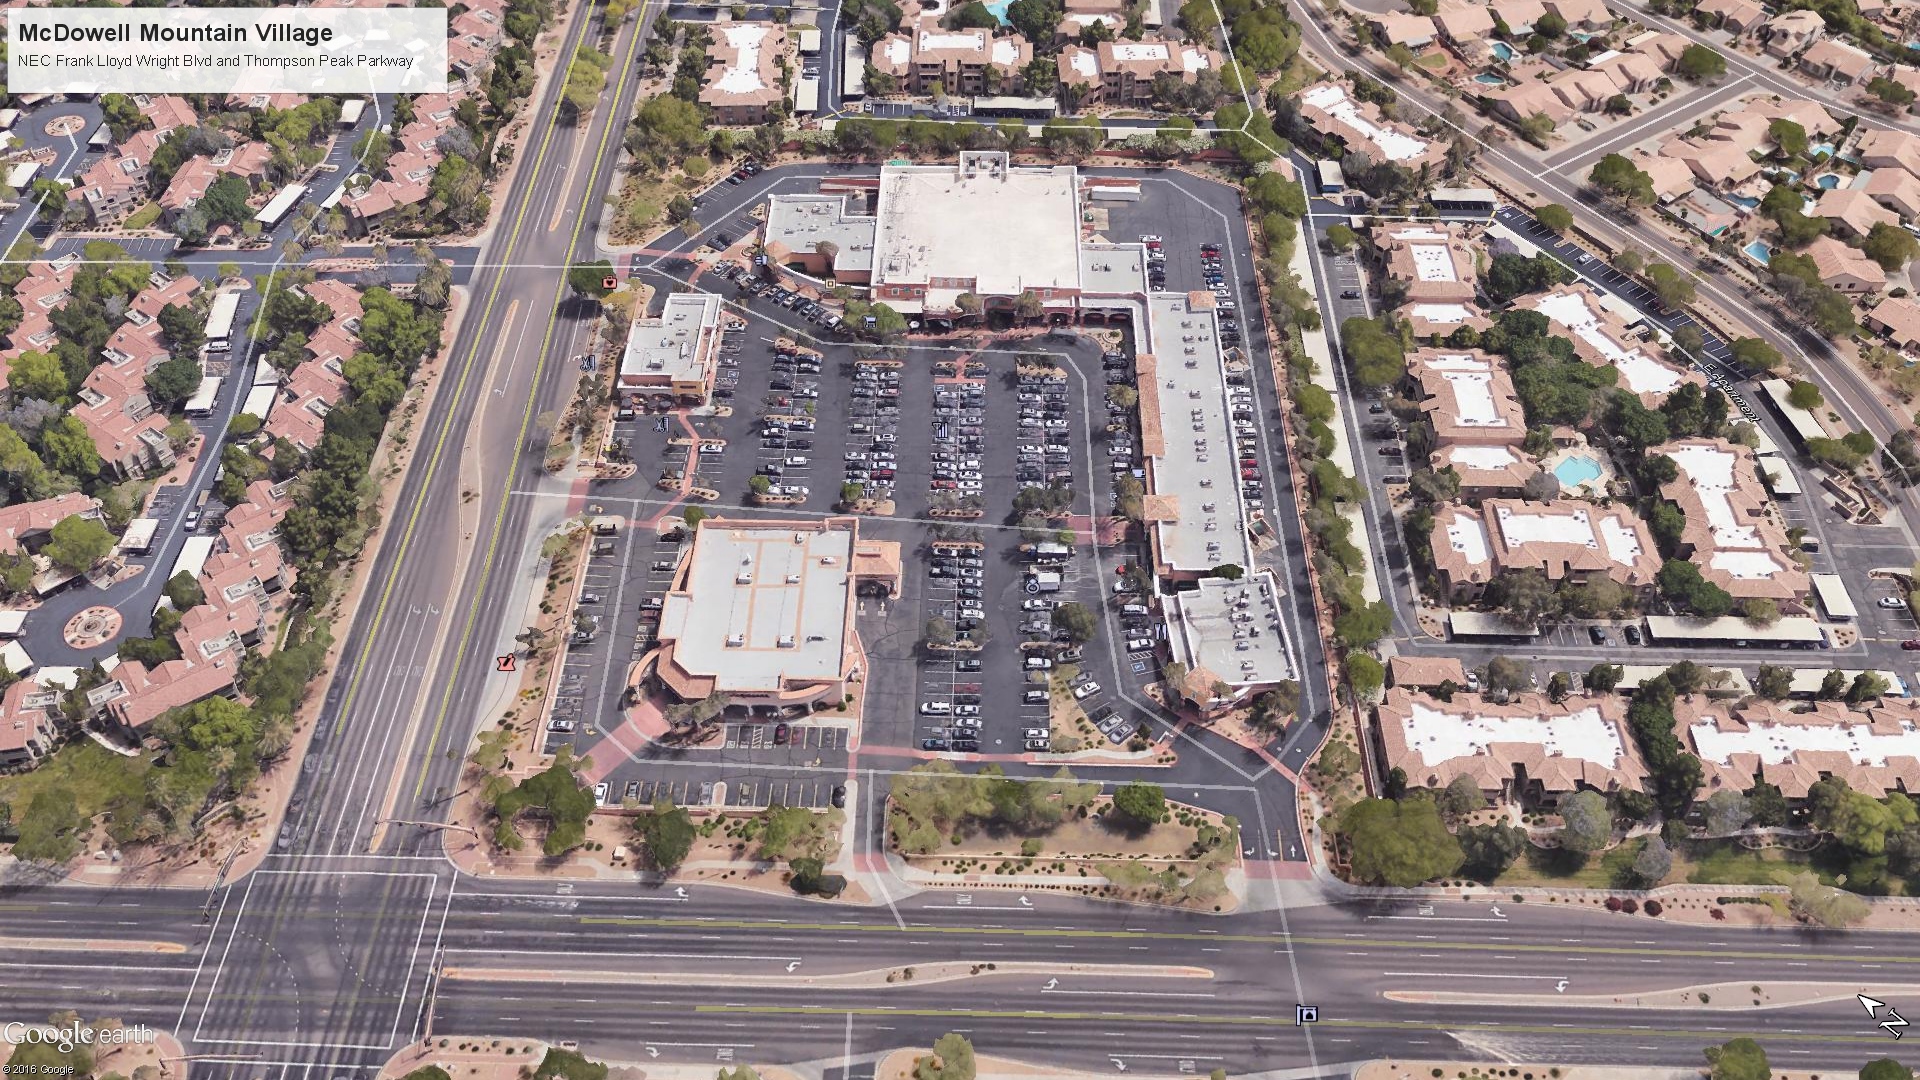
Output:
x,y
1613,903
1629,905
1653,907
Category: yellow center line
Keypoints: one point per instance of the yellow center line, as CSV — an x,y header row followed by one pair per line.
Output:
x,y
439,446
526,417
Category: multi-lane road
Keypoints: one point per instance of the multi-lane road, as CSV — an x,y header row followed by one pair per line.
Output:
x,y
358,936
706,974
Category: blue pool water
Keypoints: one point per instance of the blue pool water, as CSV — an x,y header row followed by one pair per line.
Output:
x,y
1490,80
1747,201
1503,52
999,9
1828,181
1579,35
1575,470
1820,148
1759,252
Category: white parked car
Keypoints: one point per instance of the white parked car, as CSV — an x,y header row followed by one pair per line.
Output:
x,y
1892,602
1086,690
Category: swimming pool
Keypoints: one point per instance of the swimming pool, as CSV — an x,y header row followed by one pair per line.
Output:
x,y
1489,80
1820,148
1759,252
1576,469
999,9
1503,52
1827,181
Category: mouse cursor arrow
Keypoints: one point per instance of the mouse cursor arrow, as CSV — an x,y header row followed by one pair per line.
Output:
x,y
1871,1005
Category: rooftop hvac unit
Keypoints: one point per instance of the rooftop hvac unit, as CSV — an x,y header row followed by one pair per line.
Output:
x,y
735,641
786,641
793,579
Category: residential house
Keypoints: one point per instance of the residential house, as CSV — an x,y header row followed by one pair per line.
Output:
x,y
1464,27
1631,72
1789,32
1518,16
1433,261
1522,101
1716,163
188,186
1665,48
1413,31
1584,91
1896,189
1837,61
1671,177
1735,16
1887,148
1852,212
743,80
1897,319
1844,267
926,56
1582,14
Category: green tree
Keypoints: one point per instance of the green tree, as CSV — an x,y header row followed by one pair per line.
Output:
x,y
76,543
1790,137
1653,863
1461,797
49,830
1891,246
1342,238
38,375
1490,849
786,831
952,1057
1681,584
1822,905
1588,823
590,279
1366,674
1616,176
1726,812
1885,1069
1377,357
1141,804
1773,682
1602,678
1699,62
668,832
1673,288
1555,217
1075,618
1402,844
1755,353
1805,395
171,383
68,448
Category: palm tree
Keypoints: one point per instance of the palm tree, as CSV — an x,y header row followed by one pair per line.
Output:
x,y
1028,305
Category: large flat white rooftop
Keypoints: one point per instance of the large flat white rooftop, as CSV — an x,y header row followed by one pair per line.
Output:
x,y
1776,744
676,346
1232,629
1002,228
760,607
1438,735
1639,372
1395,145
1199,468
